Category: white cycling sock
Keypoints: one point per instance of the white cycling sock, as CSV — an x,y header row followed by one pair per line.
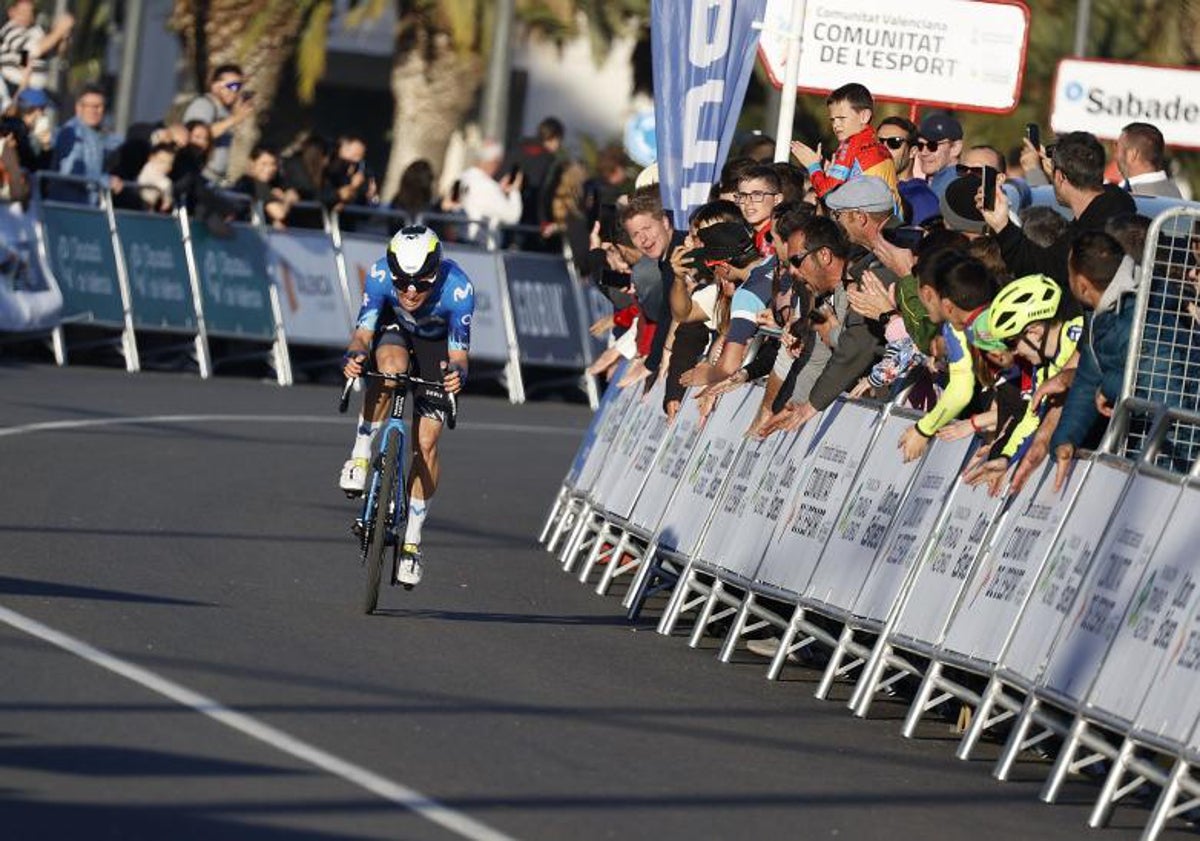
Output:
x,y
417,509
363,439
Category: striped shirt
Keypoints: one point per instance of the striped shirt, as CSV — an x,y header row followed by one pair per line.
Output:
x,y
16,42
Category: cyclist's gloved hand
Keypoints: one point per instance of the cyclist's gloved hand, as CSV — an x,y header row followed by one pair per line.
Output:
x,y
453,378
352,366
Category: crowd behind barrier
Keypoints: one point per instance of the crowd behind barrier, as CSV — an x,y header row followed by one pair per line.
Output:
x,y
1062,612
154,283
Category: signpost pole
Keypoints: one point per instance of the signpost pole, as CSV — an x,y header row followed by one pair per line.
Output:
x,y
791,78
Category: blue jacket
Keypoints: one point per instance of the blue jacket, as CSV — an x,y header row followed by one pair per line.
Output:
x,y
1102,359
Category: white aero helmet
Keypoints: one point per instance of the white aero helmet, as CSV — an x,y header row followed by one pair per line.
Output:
x,y
414,256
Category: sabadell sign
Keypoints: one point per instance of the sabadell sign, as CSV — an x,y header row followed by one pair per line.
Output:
x,y
957,53
1104,96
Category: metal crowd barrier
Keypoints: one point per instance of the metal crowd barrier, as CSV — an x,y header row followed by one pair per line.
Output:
x,y
143,282
1069,613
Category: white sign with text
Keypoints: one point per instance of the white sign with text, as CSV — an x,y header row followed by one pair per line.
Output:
x,y
1105,96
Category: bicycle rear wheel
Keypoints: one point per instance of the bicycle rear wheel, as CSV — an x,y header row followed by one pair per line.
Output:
x,y
380,531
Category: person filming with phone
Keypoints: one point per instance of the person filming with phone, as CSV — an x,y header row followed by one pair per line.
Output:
x,y
226,106
485,197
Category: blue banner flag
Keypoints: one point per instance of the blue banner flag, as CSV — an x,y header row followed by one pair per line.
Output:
x,y
703,53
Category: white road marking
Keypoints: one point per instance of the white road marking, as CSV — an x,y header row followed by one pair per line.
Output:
x,y
408,798
56,426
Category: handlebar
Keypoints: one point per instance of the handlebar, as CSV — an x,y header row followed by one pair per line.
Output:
x,y
405,380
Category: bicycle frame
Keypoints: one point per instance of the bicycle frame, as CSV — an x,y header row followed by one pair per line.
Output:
x,y
393,425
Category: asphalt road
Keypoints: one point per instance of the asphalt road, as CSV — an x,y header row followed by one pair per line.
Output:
x,y
184,657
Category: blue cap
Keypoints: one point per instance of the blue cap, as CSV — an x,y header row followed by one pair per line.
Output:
x,y
33,98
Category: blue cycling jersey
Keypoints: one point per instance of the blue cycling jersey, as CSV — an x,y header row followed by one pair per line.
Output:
x,y
446,313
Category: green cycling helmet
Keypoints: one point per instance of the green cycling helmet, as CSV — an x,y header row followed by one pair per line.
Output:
x,y
1027,299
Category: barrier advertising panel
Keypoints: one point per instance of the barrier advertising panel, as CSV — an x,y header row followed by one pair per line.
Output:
x,y
685,432
634,458
155,260
546,309
234,281
1001,583
838,448
597,307
860,531
1165,599
28,301
945,567
310,296
706,470
602,416
1063,572
968,55
914,522
624,400
80,252
1120,561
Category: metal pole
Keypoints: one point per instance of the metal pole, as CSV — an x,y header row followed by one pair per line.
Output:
x,y
791,78
495,94
131,34
1083,19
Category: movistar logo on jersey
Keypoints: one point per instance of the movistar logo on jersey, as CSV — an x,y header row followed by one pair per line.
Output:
x,y
461,293
377,273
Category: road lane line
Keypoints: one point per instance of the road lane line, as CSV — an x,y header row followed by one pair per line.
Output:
x,y
408,798
57,426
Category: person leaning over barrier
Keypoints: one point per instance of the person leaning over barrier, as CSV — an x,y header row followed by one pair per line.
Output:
x,y
1104,281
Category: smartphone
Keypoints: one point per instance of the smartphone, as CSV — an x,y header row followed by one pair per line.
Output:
x,y
456,191
247,95
1034,132
989,187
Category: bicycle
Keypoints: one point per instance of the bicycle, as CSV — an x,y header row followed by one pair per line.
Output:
x,y
382,525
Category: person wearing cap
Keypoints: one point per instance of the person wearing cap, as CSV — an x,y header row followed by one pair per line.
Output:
x,y
939,145
899,136
31,129
728,250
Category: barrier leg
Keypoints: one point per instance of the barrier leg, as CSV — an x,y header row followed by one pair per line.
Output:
x,y
1016,739
602,538
615,567
1164,808
675,606
555,510
706,613
58,344
868,681
566,521
833,669
736,629
637,590
1065,763
922,702
980,723
1112,791
567,557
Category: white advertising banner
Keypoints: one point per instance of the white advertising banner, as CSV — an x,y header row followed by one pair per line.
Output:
x,y
706,470
915,520
1109,587
1005,576
860,531
310,295
1164,602
624,442
838,448
1063,572
597,458
949,562
957,53
639,453
1104,96
668,468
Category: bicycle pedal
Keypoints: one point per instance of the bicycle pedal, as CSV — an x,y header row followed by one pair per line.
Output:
x,y
352,494
357,528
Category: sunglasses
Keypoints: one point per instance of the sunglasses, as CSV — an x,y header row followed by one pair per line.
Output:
x,y
797,260
893,142
930,145
416,284
234,86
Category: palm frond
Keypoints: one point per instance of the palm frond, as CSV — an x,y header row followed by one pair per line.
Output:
x,y
311,50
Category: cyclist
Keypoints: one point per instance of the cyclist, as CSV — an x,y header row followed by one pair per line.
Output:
x,y
415,317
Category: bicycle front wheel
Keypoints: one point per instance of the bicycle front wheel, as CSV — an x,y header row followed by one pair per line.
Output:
x,y
380,527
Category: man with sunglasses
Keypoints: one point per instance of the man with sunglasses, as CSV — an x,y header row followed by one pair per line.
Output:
x,y
415,317
939,145
225,107
899,137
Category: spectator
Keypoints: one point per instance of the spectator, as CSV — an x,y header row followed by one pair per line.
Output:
x,y
608,184
537,159
793,183
226,106
918,201
24,47
567,217
939,145
862,208
1078,177
261,183
348,177
14,186
959,211
1104,281
1130,229
1016,190
759,148
304,170
1139,155
415,194
154,180
81,147
1042,225
759,193
859,152
485,198
30,129
187,174
731,174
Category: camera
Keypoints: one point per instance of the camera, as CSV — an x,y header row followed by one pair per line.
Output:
x,y
989,188
701,273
